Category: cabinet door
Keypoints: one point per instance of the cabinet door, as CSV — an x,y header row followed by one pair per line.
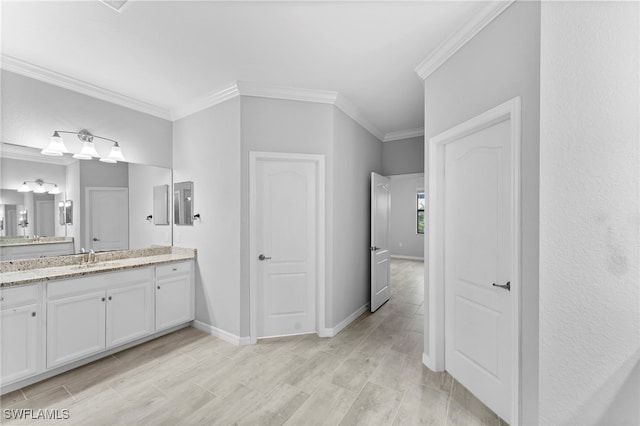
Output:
x,y
174,300
129,313
75,327
20,343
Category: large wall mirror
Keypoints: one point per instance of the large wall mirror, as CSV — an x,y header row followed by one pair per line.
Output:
x,y
110,203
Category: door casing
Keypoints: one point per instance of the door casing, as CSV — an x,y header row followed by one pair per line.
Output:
x,y
434,358
318,159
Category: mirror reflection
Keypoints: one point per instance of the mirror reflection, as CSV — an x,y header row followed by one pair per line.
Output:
x,y
183,203
161,204
101,206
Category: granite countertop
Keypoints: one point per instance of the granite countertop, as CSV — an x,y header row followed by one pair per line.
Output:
x,y
21,272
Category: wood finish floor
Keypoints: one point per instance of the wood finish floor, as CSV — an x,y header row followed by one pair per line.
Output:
x,y
370,374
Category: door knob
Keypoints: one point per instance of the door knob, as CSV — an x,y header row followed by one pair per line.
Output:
x,y
374,248
506,286
95,239
263,257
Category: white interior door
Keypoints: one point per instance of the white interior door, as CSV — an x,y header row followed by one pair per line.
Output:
x,y
45,220
11,223
107,219
286,242
477,244
380,252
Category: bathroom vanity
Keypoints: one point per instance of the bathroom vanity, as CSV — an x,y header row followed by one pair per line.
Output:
x,y
59,313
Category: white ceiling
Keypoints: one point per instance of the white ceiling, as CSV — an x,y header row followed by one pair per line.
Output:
x,y
168,53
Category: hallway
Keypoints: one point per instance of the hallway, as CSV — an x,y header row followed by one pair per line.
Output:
x,y
370,373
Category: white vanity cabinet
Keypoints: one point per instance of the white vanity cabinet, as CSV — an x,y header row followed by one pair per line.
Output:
x,y
174,294
21,326
88,315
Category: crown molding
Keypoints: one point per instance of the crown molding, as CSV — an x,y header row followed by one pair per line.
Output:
x,y
27,69
461,37
206,101
403,134
240,88
356,114
245,88
287,93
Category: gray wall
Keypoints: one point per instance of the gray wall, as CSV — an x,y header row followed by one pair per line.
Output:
x,y
500,63
403,156
590,214
274,125
206,150
403,236
32,110
356,153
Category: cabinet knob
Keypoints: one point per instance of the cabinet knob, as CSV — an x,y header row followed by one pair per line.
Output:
x,y
1,298
174,269
158,287
103,299
33,314
109,297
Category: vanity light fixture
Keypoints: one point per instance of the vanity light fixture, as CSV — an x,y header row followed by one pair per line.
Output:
x,y
39,189
88,151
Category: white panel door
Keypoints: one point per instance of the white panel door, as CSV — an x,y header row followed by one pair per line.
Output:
x,y
286,200
107,219
478,315
129,313
19,354
45,220
75,327
380,252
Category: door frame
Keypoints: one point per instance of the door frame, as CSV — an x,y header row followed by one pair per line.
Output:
x,y
88,212
435,358
318,160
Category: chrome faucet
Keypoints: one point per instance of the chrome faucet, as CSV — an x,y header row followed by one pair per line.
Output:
x,y
91,256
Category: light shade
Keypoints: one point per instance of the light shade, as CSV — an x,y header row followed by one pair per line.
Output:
x,y
87,152
55,190
115,154
24,188
56,146
39,189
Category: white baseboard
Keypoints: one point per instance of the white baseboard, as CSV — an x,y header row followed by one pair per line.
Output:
x,y
398,256
330,332
427,362
221,334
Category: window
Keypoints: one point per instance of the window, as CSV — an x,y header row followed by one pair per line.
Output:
x,y
420,212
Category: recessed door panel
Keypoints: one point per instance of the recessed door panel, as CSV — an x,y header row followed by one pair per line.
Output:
x,y
478,321
286,200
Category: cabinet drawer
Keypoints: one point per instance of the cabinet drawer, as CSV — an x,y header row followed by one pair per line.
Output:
x,y
99,281
23,295
171,269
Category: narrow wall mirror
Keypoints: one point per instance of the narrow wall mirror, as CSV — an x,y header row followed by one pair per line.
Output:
x,y
161,205
183,203
65,211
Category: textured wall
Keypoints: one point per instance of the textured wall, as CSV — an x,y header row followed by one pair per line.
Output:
x,y
589,214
